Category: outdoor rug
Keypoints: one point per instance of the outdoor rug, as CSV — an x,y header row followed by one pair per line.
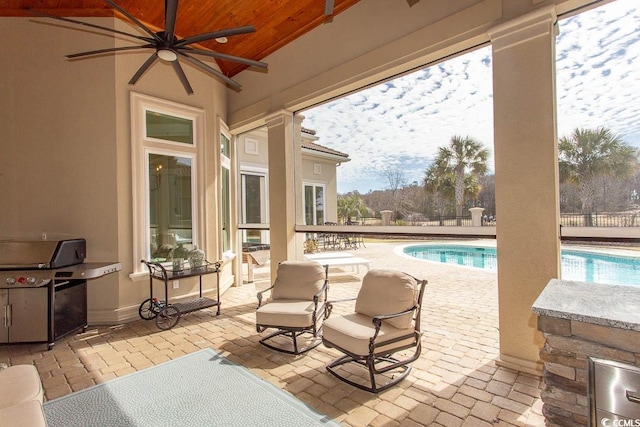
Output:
x,y
200,389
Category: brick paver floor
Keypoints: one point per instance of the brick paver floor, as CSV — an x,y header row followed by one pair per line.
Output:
x,y
456,381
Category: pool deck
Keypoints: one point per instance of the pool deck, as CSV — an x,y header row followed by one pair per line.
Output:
x,y
455,382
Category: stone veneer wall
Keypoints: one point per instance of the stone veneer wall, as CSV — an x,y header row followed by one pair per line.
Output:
x,y
568,343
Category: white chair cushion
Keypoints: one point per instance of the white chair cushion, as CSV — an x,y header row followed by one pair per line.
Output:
x,y
25,414
352,333
387,292
288,313
298,280
18,384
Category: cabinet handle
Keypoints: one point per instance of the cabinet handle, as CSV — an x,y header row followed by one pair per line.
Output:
x,y
632,397
7,316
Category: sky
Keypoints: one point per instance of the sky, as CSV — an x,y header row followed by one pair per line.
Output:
x,y
399,125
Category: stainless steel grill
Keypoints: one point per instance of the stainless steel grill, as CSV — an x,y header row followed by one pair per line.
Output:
x,y
43,289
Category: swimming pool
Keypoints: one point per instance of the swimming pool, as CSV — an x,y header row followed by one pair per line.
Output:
x,y
576,264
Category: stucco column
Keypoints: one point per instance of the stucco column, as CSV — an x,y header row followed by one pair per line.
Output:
x,y
526,165
284,166
476,216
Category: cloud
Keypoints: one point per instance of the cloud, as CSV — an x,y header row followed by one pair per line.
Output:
x,y
400,124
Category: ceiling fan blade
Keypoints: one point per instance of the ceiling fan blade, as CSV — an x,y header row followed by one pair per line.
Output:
x,y
219,55
87,24
215,35
170,15
328,7
112,49
134,20
148,63
234,85
182,76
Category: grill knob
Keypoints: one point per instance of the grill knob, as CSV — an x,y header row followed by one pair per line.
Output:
x,y
10,281
31,281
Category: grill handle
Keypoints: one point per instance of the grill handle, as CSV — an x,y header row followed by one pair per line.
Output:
x,y
632,397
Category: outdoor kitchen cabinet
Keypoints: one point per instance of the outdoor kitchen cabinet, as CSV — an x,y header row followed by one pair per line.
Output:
x,y
24,311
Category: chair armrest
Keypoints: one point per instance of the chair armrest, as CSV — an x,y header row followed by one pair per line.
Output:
x,y
322,290
260,293
329,305
341,300
377,320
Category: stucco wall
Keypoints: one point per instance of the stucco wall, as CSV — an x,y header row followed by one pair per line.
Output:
x,y
59,158
327,177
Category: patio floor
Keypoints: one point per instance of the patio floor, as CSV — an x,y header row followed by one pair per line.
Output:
x,y
454,383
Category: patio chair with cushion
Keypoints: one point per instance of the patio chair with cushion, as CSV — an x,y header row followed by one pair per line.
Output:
x,y
297,306
382,335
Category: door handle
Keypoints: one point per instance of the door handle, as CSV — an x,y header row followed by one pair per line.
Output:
x,y
632,397
7,315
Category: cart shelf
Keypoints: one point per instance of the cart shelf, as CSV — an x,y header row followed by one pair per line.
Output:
x,y
166,314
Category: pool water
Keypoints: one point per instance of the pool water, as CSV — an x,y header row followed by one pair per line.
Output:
x,y
576,264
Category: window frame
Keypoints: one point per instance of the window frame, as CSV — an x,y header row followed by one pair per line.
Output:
x,y
314,185
263,174
226,163
141,147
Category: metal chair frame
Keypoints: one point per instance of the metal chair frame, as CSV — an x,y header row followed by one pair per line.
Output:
x,y
379,362
319,307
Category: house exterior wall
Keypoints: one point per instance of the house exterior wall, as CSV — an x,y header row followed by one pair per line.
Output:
x,y
327,176
251,159
66,150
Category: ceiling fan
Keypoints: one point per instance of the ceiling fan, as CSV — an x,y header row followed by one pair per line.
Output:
x,y
168,47
328,7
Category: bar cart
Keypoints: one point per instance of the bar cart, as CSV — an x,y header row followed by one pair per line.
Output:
x,y
167,315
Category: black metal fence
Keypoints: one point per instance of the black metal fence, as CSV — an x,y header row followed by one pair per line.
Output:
x,y
624,219
419,220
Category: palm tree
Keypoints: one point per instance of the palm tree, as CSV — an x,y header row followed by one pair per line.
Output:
x,y
591,153
439,182
465,157
351,205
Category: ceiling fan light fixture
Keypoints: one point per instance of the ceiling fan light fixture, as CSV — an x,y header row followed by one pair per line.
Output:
x,y
167,55
167,46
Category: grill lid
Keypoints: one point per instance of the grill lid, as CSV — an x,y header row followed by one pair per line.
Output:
x,y
41,254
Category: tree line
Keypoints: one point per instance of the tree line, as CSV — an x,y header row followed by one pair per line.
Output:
x,y
598,173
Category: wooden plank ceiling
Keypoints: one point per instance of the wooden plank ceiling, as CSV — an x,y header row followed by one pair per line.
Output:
x,y
277,22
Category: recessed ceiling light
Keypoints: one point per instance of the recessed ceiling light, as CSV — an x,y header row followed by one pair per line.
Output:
x,y
222,40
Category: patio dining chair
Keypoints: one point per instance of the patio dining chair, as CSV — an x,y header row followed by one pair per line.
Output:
x,y
296,307
382,335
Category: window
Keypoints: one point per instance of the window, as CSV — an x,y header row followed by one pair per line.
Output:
x,y
314,204
166,139
254,204
170,204
225,190
168,128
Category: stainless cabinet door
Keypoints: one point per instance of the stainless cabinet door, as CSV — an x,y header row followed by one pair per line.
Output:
x,y
29,310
